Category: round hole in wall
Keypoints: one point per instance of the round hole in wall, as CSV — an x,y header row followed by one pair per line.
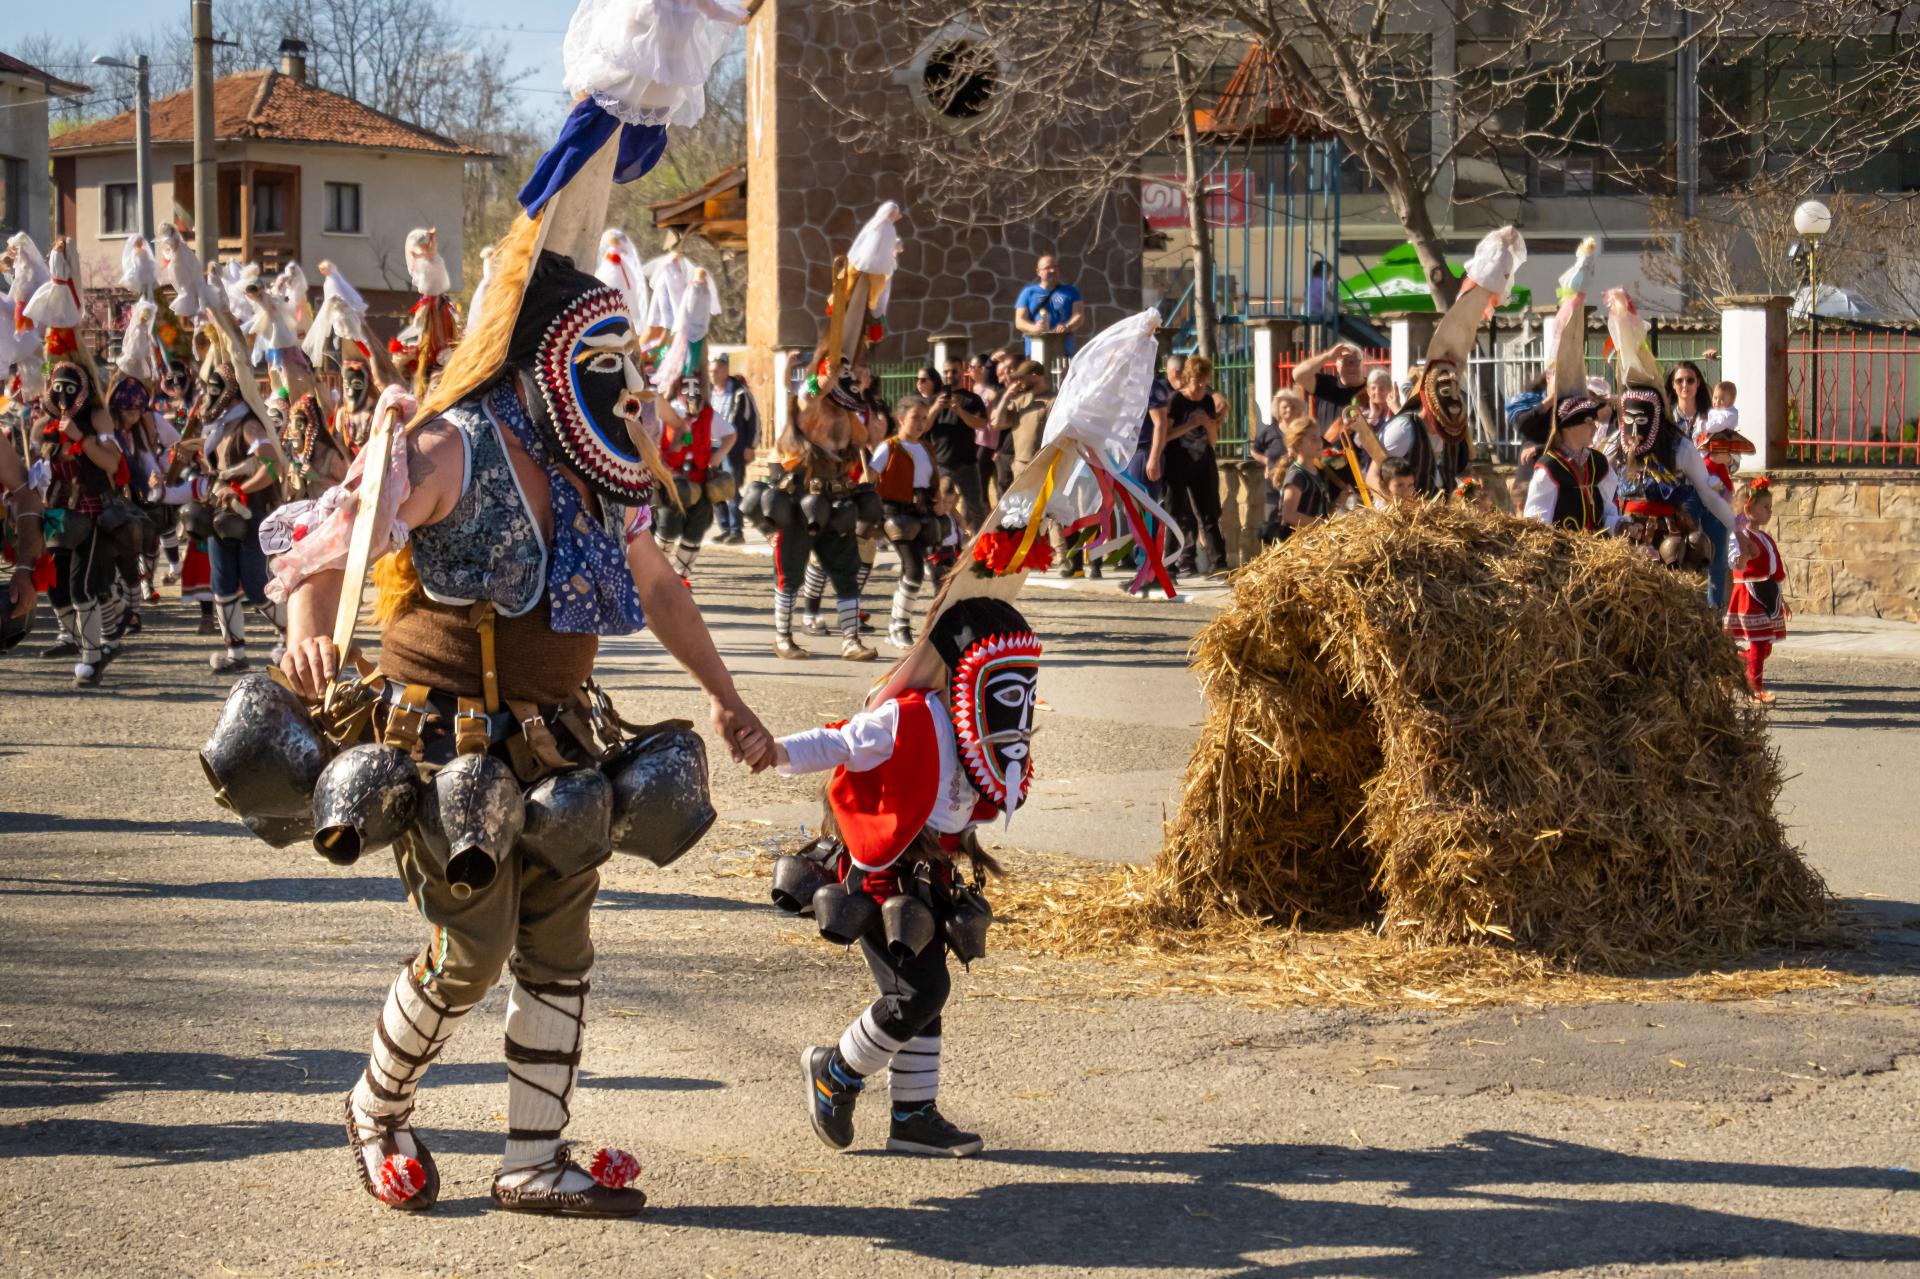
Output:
x,y
960,80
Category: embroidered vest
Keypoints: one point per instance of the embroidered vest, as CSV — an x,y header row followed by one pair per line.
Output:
x,y
689,453
895,483
1579,505
488,547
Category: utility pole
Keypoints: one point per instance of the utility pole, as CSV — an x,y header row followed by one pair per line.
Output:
x,y
206,168
1687,142
142,133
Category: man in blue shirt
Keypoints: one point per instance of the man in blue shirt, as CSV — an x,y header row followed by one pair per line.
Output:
x,y
1048,306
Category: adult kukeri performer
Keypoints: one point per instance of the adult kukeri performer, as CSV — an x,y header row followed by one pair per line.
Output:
x,y
1661,471
511,520
1431,430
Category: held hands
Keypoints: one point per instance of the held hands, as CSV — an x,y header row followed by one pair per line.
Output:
x,y
747,739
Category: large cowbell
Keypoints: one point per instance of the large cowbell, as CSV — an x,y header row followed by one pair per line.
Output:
x,y
365,799
468,821
660,803
569,826
264,759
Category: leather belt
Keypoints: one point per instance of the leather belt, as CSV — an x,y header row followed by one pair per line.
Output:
x,y
499,724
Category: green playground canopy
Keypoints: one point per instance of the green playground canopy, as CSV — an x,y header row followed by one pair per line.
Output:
x,y
1399,284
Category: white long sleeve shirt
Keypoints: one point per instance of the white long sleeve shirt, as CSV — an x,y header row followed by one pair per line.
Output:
x,y
1543,495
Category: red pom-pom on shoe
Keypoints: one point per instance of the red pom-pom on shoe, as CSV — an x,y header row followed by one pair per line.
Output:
x,y
875,332
614,1168
401,1178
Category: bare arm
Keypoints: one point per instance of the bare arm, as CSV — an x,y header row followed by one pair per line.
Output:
x,y
1026,323
675,620
1076,321
1157,450
436,464
1308,369
1290,508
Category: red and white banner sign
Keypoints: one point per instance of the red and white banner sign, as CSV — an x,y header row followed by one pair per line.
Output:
x,y
1164,201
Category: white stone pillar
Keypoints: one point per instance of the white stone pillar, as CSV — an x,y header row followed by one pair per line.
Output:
x,y
948,347
1271,339
1411,334
1753,356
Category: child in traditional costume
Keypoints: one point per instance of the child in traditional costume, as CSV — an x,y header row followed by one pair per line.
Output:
x,y
1757,614
942,745
904,474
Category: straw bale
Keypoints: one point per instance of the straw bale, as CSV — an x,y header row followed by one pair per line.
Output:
x,y
1461,728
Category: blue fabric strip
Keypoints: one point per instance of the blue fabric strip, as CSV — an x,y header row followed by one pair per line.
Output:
x,y
587,129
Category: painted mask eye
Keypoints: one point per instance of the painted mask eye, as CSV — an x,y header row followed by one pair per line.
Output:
x,y
604,362
1013,695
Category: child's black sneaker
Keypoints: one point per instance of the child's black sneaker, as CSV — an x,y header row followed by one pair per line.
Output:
x,y
923,1130
831,1093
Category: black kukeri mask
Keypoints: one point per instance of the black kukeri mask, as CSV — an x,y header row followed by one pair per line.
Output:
x,y
218,391
575,342
1643,411
68,390
994,660
353,385
1442,400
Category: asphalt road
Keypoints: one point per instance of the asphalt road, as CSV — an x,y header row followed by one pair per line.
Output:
x,y
181,1010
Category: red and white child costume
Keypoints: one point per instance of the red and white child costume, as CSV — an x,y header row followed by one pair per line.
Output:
x,y
1757,612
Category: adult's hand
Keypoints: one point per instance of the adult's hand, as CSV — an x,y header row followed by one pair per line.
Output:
x,y
747,739
1153,469
310,665
21,595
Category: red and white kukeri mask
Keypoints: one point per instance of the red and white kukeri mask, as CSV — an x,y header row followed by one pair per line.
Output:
x,y
995,663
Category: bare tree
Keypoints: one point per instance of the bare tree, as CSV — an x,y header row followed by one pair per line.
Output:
x,y
1434,101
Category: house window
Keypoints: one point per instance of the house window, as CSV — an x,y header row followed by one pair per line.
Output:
x,y
119,208
13,194
269,207
343,208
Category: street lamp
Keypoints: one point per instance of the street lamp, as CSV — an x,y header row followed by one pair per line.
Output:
x,y
1812,220
142,136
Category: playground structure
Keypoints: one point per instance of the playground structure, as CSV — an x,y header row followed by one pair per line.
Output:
x,y
1273,205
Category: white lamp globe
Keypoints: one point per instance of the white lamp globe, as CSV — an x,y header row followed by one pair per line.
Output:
x,y
1812,218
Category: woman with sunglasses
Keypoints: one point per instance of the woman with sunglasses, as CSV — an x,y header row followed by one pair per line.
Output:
x,y
1687,391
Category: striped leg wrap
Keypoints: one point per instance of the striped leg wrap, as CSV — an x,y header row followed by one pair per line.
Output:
x,y
904,594
783,614
89,631
915,1074
412,1030
546,1025
814,587
684,554
232,618
866,1047
847,609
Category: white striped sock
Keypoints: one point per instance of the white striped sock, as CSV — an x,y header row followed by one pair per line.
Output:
x,y
904,594
813,588
413,1026
539,1093
783,613
915,1073
866,1047
848,610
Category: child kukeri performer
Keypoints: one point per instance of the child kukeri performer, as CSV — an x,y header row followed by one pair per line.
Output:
x,y
943,745
693,445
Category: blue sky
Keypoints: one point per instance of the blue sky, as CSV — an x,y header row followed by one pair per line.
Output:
x,y
532,29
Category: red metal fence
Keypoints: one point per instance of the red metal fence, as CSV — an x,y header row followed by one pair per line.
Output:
x,y
1853,399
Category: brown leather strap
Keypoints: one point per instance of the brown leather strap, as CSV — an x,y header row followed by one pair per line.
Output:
x,y
406,719
481,616
470,735
536,738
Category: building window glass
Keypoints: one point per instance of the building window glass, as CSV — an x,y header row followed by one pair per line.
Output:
x,y
269,207
13,194
119,208
343,208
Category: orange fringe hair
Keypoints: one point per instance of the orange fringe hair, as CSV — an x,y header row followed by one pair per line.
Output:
x,y
475,362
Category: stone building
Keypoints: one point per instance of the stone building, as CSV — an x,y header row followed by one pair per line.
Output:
x,y
807,196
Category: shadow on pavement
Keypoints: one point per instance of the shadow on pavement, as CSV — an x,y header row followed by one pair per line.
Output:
x,y
50,1078
328,888
1229,1208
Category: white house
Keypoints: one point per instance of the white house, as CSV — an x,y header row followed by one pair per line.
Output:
x,y
305,174
25,196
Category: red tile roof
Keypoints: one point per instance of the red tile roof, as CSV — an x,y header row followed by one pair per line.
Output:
x,y
10,65
266,106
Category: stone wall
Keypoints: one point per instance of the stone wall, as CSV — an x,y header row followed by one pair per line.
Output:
x,y
1851,540
807,196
